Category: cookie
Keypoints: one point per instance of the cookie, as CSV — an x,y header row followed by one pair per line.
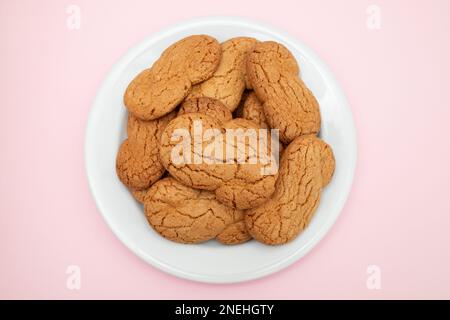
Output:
x,y
229,80
252,110
238,184
248,85
139,195
209,106
236,232
137,162
158,90
288,104
186,215
307,166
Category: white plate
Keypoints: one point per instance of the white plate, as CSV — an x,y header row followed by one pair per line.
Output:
x,y
212,262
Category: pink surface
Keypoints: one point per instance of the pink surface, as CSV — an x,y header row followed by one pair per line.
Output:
x,y
397,80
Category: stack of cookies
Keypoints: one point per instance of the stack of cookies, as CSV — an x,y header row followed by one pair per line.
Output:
x,y
203,90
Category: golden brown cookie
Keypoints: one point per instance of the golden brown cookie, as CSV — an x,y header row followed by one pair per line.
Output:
x,y
307,165
288,104
209,106
253,110
186,215
229,80
241,178
158,90
248,85
137,162
236,232
139,195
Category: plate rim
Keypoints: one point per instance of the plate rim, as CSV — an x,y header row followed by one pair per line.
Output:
x,y
133,52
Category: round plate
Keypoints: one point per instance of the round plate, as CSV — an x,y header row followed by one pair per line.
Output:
x,y
211,261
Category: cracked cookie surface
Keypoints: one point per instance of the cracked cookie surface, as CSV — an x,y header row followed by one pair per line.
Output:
x,y
288,104
139,195
209,106
252,110
186,215
158,90
229,80
307,166
236,232
236,183
137,162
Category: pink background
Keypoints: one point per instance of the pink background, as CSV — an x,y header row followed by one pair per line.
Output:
x,y
397,80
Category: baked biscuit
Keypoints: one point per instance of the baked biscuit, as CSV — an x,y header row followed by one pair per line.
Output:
x,y
307,166
209,106
236,232
137,162
288,104
253,110
139,195
238,184
229,80
186,215
158,90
